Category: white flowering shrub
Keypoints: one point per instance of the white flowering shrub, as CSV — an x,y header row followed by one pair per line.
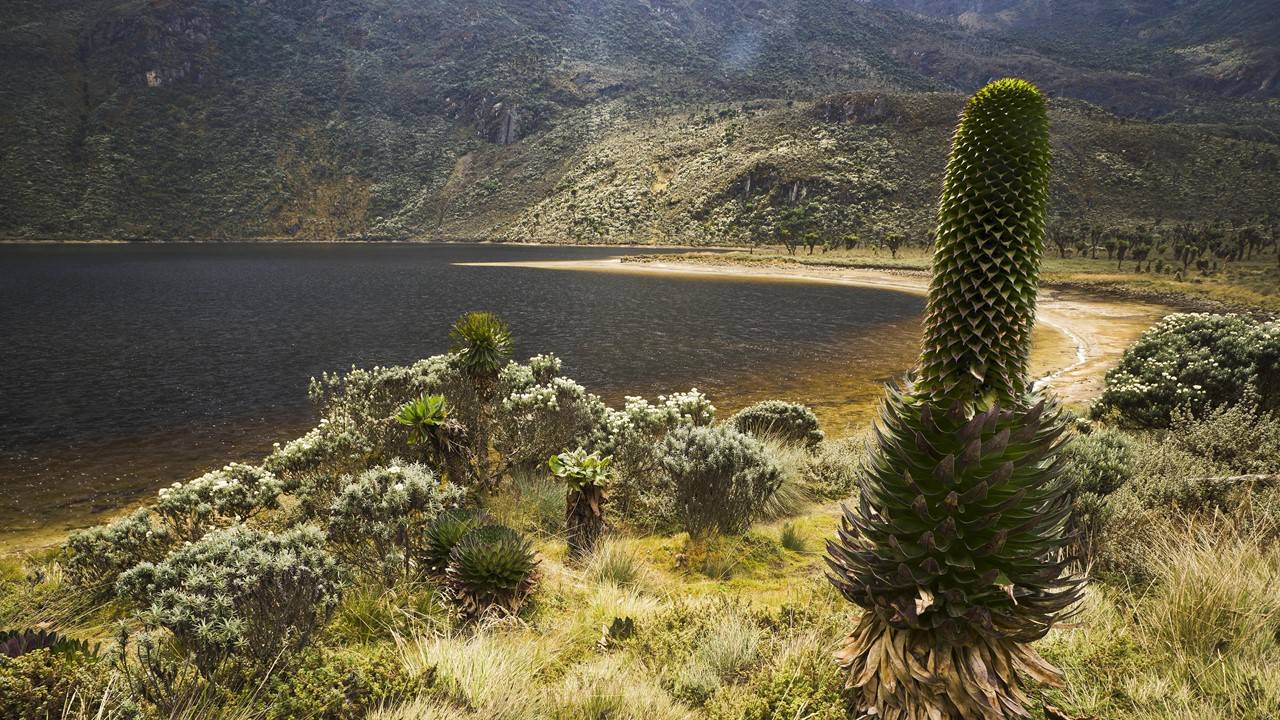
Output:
x,y
95,557
786,422
542,413
720,479
631,436
239,595
378,521
222,497
1194,362
359,407
328,445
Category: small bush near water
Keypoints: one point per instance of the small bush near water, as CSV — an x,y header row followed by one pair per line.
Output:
x,y
783,421
239,595
720,478
1195,363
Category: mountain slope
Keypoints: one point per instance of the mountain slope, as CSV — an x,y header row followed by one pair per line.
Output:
x,y
162,119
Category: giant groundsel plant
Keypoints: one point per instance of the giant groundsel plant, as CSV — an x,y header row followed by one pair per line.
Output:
x,y
957,549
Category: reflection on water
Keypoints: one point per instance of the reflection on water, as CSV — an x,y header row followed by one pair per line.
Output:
x,y
127,367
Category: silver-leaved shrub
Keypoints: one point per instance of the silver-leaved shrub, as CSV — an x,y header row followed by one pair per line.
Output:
x,y
719,478
239,595
96,556
378,520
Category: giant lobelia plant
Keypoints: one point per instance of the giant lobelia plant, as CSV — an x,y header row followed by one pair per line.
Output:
x,y
585,476
957,549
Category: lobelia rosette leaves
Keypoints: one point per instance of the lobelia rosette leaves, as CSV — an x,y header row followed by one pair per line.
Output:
x,y
492,567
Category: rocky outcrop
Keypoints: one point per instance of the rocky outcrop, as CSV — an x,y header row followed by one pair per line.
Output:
x,y
166,45
499,120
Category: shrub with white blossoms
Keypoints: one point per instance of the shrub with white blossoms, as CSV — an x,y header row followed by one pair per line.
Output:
x,y
327,445
360,405
232,494
1195,362
182,512
377,521
631,436
239,595
541,412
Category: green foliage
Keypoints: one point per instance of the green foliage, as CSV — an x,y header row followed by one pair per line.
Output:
x,y
424,416
585,476
1194,362
700,646
613,561
791,538
580,469
19,642
532,502
954,520
719,478
1096,465
1238,439
374,612
1210,469
492,567
377,522
182,512
482,342
442,534
784,421
239,595
358,408
327,447
43,684
339,684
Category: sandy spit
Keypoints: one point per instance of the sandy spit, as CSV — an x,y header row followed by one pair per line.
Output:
x,y
1095,330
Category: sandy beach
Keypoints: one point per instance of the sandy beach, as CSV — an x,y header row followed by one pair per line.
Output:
x,y
1089,333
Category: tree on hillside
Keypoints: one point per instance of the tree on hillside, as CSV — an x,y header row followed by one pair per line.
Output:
x,y
893,240
792,224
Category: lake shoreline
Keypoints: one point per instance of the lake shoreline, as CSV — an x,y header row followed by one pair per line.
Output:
x,y
1098,327
188,357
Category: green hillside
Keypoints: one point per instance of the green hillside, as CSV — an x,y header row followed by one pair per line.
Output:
x,y
600,120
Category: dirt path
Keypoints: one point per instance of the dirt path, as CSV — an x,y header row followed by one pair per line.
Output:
x,y
1089,333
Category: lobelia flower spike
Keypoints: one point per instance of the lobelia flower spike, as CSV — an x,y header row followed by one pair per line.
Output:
x,y
957,550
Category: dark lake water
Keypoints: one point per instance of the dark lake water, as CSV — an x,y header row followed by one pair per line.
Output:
x,y
126,367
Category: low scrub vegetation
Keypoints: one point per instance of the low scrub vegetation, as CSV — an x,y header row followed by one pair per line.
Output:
x,y
373,586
